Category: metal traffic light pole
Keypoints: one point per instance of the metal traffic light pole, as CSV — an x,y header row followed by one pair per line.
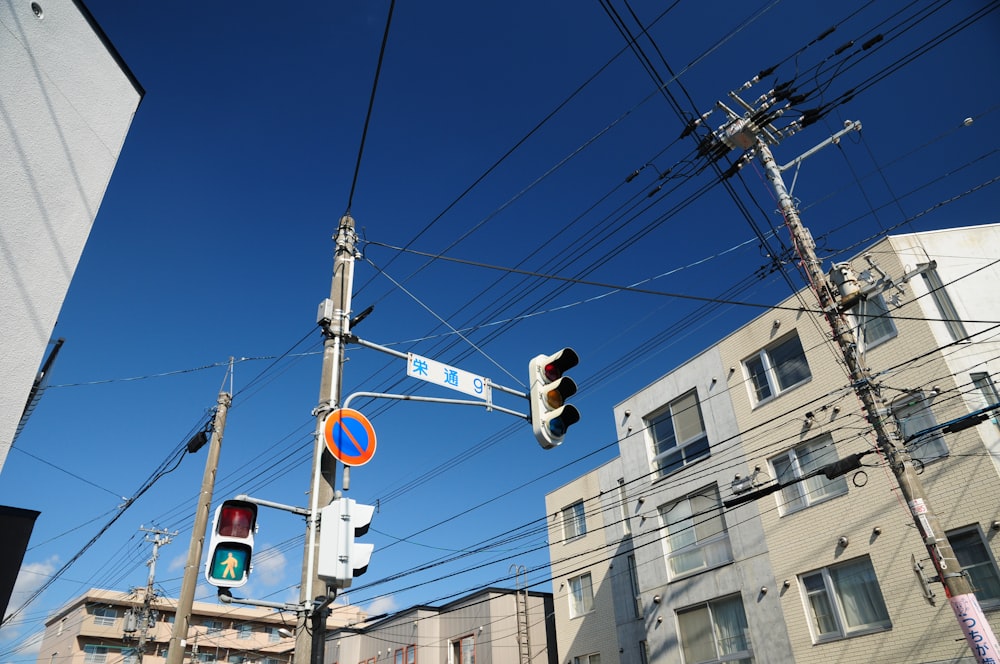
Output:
x,y
751,135
178,637
334,317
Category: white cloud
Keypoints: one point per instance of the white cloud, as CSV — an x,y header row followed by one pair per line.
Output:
x,y
177,562
29,579
269,567
380,605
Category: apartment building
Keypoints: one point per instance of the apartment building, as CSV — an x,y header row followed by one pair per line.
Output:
x,y
103,627
820,569
490,626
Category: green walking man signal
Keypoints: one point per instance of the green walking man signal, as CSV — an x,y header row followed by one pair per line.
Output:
x,y
231,545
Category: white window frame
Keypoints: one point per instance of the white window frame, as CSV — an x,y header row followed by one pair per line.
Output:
x,y
949,314
212,626
820,586
95,654
801,460
105,616
684,440
982,571
913,414
581,595
770,373
592,658
695,540
871,315
244,631
711,609
633,576
983,382
574,521
623,507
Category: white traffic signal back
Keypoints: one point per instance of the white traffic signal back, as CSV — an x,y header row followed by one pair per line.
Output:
x,y
551,416
341,558
230,547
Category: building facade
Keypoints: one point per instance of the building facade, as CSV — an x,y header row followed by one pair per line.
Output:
x,y
102,627
815,567
68,100
491,626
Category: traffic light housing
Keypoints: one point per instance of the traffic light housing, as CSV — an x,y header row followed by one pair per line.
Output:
x,y
341,558
230,548
551,416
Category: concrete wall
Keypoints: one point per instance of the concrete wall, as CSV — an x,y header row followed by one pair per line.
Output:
x,y
66,103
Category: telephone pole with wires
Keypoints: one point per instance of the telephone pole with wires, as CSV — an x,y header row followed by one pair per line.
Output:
x,y
753,131
178,637
334,317
143,618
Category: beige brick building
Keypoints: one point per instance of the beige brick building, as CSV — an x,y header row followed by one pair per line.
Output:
x,y
820,569
99,627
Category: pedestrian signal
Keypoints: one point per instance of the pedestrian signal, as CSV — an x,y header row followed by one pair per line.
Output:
x,y
231,545
551,416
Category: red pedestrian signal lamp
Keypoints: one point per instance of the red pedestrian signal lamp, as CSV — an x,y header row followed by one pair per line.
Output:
x,y
230,548
551,416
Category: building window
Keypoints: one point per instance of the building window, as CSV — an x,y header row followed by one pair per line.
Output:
x,y
271,660
244,631
696,533
236,659
593,658
679,437
715,632
844,600
273,634
407,655
776,369
623,507
206,657
874,325
643,653
805,461
95,654
105,616
913,414
633,575
464,650
983,382
574,521
214,626
945,306
976,561
581,595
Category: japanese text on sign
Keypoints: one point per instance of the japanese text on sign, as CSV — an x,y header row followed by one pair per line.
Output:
x,y
446,376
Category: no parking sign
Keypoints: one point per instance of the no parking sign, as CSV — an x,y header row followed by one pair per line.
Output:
x,y
349,437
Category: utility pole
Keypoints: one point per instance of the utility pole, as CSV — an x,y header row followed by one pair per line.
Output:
x,y
334,318
178,637
144,619
752,132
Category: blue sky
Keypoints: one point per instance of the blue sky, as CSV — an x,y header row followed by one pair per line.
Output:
x,y
500,135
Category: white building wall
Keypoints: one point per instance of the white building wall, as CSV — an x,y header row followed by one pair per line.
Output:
x,y
66,103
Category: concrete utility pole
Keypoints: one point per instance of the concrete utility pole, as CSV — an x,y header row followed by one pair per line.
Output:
x,y
178,637
745,132
335,319
160,537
